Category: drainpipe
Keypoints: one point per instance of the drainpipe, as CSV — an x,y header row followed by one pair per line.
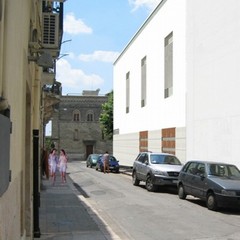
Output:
x,y
36,193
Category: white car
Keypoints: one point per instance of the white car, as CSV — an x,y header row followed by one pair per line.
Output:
x,y
156,169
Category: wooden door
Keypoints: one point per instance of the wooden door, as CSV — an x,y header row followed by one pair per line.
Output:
x,y
89,150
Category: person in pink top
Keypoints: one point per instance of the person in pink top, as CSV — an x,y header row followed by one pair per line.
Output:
x,y
63,164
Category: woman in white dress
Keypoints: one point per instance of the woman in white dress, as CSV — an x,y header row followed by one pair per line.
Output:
x,y
63,165
53,161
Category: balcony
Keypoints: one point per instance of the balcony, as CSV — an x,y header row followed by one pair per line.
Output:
x,y
51,97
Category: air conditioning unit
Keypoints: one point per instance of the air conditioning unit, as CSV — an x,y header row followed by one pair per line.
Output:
x,y
50,30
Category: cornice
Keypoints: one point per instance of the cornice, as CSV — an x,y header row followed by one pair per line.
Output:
x,y
83,99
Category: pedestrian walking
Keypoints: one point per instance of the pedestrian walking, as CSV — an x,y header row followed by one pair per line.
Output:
x,y
53,161
63,164
106,162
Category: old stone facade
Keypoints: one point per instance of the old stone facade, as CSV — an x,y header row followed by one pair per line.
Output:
x,y
76,127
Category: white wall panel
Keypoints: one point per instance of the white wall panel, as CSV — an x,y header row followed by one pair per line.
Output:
x,y
213,84
126,148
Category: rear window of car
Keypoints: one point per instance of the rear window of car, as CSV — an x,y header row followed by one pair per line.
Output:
x,y
163,159
113,159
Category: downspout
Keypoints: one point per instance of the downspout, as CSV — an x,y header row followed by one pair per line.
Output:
x,y
36,193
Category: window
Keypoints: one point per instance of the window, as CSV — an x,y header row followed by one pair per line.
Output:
x,y
196,168
76,135
192,168
90,116
168,68
127,92
200,169
143,81
142,158
76,116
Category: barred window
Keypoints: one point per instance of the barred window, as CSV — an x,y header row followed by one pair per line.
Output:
x,y
76,115
90,116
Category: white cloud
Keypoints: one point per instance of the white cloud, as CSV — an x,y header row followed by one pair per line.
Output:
x,y
75,80
149,4
102,56
75,26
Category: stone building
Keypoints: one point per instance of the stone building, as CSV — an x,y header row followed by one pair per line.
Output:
x,y
76,127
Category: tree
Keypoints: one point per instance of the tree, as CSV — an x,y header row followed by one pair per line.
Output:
x,y
106,117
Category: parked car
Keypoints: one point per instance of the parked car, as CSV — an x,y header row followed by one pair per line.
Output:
x,y
156,169
216,183
92,160
113,164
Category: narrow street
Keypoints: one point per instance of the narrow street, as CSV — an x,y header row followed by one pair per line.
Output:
x,y
134,213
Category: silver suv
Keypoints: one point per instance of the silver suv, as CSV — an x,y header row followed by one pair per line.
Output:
x,y
156,169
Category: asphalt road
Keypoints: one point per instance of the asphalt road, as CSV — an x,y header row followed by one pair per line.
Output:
x,y
134,213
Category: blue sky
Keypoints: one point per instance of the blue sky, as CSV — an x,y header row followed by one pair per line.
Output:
x,y
95,32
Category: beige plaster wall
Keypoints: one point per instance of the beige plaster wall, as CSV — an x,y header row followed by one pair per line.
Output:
x,y
19,85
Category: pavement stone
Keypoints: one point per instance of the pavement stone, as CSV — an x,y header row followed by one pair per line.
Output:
x,y
64,216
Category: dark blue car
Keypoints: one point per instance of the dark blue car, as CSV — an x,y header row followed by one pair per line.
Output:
x,y
113,164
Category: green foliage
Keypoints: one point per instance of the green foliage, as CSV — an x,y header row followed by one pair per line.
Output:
x,y
106,117
48,143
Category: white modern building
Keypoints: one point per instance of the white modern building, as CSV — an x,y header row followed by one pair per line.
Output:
x,y
176,83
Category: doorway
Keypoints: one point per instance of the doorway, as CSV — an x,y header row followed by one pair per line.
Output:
x,y
89,150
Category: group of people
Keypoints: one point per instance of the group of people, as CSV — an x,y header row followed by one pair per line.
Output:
x,y
55,161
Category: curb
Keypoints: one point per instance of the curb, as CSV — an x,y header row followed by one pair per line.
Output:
x,y
126,170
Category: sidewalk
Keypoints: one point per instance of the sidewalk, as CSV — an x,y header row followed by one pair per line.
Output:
x,y
63,216
126,170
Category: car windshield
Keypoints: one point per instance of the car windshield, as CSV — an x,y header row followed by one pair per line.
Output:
x,y
164,159
224,170
112,158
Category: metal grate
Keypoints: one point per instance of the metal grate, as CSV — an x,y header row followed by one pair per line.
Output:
x,y
173,174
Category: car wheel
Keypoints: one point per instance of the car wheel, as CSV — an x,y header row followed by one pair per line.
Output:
x,y
211,201
135,181
86,165
181,192
149,184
